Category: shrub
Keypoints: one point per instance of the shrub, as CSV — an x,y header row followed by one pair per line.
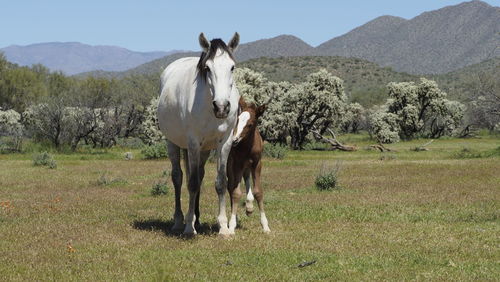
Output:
x,y
155,151
105,180
276,151
44,159
327,178
467,153
128,156
160,188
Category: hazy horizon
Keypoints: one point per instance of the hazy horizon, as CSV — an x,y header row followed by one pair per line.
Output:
x,y
136,26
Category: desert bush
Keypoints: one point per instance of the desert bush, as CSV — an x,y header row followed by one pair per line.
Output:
x,y
327,179
353,118
128,156
468,153
294,109
384,127
159,188
44,159
319,103
104,180
276,151
416,110
149,129
155,151
12,128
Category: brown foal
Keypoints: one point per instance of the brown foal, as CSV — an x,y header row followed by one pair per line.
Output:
x,y
245,159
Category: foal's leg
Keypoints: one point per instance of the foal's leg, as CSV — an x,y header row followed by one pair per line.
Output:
x,y
174,154
221,184
249,199
259,195
193,185
234,179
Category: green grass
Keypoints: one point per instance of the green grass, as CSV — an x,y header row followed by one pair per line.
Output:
x,y
417,216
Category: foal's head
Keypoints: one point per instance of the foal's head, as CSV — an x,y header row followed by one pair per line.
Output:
x,y
216,66
247,120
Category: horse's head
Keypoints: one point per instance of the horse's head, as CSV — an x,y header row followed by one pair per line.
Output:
x,y
216,66
247,120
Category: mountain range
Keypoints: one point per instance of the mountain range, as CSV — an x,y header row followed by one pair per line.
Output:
x,y
433,42
74,57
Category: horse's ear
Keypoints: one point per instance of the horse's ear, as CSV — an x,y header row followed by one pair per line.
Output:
x,y
233,43
204,44
260,110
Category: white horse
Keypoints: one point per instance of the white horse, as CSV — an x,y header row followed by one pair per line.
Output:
x,y
197,112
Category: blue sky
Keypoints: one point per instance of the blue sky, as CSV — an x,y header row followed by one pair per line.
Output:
x,y
166,25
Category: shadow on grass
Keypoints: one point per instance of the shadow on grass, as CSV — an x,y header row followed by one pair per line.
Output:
x,y
155,225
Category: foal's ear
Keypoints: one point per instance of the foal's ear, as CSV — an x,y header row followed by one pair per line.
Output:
x,y
204,44
260,110
233,43
242,103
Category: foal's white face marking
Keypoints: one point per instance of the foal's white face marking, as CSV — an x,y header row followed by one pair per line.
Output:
x,y
242,122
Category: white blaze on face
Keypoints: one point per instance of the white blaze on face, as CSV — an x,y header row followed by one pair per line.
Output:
x,y
221,77
242,122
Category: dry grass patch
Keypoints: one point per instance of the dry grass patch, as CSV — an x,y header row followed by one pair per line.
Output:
x,y
418,216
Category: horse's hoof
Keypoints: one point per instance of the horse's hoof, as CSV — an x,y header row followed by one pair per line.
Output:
x,y
267,231
189,233
225,233
225,236
178,227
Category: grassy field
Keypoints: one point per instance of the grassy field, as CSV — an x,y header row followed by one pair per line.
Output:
x,y
402,215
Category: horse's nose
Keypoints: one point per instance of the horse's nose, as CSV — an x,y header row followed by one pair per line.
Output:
x,y
227,107
221,110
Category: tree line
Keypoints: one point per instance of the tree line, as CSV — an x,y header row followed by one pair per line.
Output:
x,y
69,111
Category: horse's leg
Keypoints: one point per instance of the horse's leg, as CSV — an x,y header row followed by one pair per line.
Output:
x,y
249,199
259,195
193,185
221,184
174,154
234,179
203,159
186,167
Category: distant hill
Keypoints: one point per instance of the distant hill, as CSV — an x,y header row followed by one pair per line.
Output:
x,y
365,81
433,42
280,46
74,57
462,83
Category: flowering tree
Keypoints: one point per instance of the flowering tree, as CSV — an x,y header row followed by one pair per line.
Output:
x,y
149,130
319,103
353,118
294,110
10,126
46,121
416,110
255,88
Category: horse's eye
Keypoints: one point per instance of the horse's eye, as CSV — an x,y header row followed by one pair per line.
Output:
x,y
232,68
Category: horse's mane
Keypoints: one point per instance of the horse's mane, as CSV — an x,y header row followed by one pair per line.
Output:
x,y
215,45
